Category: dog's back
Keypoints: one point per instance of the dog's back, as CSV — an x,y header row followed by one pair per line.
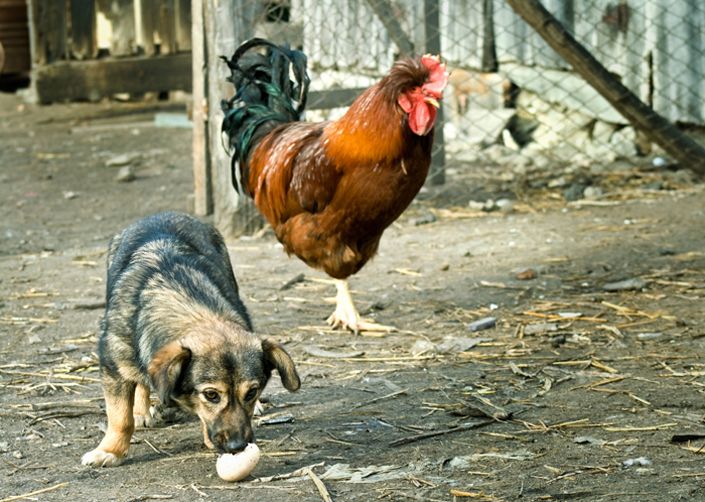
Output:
x,y
162,269
163,242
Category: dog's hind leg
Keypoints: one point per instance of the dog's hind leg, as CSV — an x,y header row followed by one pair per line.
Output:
x,y
142,411
119,401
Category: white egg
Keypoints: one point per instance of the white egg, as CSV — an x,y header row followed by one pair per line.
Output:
x,y
234,467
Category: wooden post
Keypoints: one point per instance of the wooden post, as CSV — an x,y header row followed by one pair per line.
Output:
x,y
122,16
83,26
385,13
436,175
227,23
679,145
203,190
166,28
149,11
47,25
183,25
489,52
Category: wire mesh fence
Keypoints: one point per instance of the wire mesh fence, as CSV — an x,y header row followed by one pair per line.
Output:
x,y
511,97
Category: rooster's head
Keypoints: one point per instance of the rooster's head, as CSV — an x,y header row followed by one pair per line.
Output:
x,y
421,101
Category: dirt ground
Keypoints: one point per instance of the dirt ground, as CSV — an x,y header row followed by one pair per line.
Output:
x,y
577,392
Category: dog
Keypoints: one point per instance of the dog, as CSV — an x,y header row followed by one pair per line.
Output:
x,y
174,322
492,89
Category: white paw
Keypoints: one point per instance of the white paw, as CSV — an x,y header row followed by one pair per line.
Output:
x,y
149,420
100,458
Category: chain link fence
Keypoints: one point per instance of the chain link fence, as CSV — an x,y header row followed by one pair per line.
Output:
x,y
511,98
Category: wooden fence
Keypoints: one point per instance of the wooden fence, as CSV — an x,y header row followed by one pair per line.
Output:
x,y
88,49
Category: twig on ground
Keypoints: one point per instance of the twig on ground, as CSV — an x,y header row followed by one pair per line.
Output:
x,y
320,486
381,398
426,435
36,492
293,474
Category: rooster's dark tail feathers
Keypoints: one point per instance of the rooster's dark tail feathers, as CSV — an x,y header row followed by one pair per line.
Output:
x,y
265,96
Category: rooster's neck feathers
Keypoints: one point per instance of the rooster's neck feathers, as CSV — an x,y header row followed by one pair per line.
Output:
x,y
374,129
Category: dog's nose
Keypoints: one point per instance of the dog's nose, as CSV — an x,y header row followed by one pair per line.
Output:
x,y
235,445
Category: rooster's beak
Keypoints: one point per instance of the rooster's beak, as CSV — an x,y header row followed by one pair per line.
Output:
x,y
432,101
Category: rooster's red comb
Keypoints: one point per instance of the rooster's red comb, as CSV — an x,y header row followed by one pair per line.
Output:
x,y
438,76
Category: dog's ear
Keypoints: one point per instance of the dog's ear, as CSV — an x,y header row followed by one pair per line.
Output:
x,y
276,357
166,369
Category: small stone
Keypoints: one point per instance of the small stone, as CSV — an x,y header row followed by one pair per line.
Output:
x,y
557,340
505,205
489,205
592,193
482,324
422,347
125,174
445,267
119,160
589,440
636,283
68,195
640,461
574,192
526,274
654,185
4,446
538,328
424,220
557,182
659,162
649,336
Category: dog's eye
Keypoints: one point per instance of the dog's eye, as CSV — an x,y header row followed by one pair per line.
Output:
x,y
211,396
251,394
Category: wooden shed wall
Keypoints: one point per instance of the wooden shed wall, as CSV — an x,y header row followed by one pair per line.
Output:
x,y
88,49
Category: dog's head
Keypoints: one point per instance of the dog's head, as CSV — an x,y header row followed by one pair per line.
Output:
x,y
220,379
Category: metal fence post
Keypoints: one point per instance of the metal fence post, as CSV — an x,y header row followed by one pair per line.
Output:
x,y
432,31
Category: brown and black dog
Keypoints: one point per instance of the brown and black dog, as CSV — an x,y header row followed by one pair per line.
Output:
x,y
174,322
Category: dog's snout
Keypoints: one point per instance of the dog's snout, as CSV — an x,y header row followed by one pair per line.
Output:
x,y
235,445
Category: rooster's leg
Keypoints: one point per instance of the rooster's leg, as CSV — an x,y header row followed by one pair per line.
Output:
x,y
346,315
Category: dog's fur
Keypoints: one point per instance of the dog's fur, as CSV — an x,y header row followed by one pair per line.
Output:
x,y
174,323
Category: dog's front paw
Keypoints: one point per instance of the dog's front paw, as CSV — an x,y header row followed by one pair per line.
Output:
x,y
149,420
101,458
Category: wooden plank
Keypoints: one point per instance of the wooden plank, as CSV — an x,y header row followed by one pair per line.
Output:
x,y
122,16
436,175
183,25
202,180
14,37
47,30
167,41
149,15
95,79
83,30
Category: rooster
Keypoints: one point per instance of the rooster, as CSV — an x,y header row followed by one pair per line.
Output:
x,y
330,189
